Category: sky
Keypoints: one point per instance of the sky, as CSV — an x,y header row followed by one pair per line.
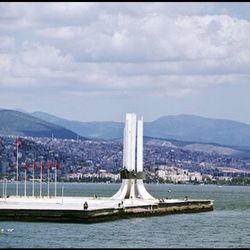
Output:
x,y
96,61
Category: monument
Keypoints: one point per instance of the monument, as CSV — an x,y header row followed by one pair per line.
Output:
x,y
132,172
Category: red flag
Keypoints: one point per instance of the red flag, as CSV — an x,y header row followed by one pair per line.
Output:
x,y
26,164
18,142
56,164
42,165
34,165
48,164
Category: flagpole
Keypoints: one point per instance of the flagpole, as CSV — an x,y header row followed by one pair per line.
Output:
x,y
55,180
48,164
41,176
33,182
48,182
56,167
17,167
25,182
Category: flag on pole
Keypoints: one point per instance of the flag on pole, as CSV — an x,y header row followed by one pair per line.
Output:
x,y
41,177
18,142
56,164
26,165
42,165
34,165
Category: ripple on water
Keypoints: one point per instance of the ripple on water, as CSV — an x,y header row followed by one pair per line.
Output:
x,y
227,226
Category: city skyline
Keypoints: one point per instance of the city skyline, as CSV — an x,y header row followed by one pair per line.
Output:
x,y
97,61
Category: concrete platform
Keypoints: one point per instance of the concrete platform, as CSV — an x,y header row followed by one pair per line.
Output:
x,y
71,209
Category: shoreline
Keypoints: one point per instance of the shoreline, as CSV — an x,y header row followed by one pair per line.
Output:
x,y
145,183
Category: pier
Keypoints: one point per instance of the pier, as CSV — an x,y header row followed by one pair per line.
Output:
x,y
71,209
131,200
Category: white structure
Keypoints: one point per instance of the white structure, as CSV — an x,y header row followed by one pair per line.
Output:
x,y
132,153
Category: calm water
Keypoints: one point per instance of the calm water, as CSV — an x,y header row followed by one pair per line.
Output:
x,y
228,226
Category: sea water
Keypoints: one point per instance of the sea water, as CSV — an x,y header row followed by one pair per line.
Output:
x,y
227,226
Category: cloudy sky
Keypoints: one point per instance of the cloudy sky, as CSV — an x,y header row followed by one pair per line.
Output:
x,y
97,61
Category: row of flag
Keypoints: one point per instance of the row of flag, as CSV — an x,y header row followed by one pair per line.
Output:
x,y
42,165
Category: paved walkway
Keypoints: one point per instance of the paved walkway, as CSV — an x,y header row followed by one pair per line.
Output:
x,y
68,203
76,203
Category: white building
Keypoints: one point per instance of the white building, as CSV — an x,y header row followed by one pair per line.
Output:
x,y
74,176
195,176
161,174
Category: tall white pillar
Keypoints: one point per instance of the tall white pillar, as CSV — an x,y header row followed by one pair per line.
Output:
x,y
124,148
129,141
139,182
132,139
139,145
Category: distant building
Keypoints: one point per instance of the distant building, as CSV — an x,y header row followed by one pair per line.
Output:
x,y
74,176
195,176
161,174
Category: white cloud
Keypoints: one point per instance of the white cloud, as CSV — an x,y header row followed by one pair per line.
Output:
x,y
7,43
154,48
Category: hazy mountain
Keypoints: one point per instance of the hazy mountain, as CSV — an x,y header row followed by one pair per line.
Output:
x,y
98,130
176,127
13,122
199,129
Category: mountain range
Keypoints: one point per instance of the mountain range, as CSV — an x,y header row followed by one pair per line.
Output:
x,y
16,123
189,128
184,127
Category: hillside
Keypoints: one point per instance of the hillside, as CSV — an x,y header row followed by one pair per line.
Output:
x,y
188,128
18,123
200,129
98,130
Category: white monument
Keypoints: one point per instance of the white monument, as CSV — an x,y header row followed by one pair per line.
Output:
x,y
132,174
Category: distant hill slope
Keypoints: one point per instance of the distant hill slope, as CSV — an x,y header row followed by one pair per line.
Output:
x,y
176,127
18,123
197,147
209,148
200,129
97,130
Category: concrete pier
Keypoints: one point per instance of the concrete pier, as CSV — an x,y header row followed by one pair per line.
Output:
x,y
123,204
71,209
